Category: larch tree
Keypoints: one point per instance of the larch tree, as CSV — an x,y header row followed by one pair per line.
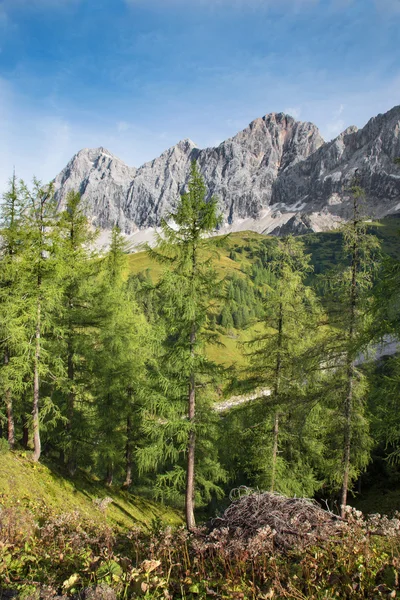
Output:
x,y
76,318
12,330
39,280
119,365
178,409
349,290
281,360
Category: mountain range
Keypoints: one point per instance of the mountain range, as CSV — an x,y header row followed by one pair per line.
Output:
x,y
276,176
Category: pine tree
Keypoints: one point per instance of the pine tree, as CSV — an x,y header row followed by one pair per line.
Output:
x,y
186,288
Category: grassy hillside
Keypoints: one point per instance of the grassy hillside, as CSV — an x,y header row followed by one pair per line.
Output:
x,y
324,248
36,484
242,243
234,255
239,251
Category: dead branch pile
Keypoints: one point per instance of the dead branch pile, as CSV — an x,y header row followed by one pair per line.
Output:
x,y
292,522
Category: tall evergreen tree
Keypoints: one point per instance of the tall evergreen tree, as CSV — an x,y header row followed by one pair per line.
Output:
x,y
385,324
76,318
12,330
186,288
39,279
350,289
119,361
280,358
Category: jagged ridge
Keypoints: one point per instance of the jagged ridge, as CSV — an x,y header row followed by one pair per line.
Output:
x,y
277,175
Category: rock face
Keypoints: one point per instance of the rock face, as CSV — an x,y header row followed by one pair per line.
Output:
x,y
322,181
242,170
277,176
103,182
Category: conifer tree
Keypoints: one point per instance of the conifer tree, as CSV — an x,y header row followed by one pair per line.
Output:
x,y
385,324
186,288
40,281
350,292
12,331
119,361
75,317
280,358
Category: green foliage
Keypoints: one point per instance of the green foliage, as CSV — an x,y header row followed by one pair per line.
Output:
x,y
127,354
281,360
74,320
178,406
349,300
243,303
121,349
77,555
13,334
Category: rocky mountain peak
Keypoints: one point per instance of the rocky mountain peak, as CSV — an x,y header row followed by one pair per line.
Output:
x,y
277,175
186,145
348,131
324,178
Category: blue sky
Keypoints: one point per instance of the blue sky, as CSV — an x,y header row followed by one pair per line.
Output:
x,y
136,76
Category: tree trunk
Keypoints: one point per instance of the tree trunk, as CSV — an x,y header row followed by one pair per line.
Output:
x,y
35,409
25,434
9,409
110,474
276,394
189,499
274,451
70,410
348,403
347,440
128,452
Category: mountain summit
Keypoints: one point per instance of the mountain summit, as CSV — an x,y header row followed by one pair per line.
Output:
x,y
275,176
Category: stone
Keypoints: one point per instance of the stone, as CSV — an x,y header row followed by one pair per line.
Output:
x,y
100,592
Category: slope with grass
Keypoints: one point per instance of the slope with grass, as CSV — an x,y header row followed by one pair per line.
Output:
x,y
36,485
237,254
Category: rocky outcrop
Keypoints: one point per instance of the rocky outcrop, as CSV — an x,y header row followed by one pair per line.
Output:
x,y
322,181
103,181
275,176
242,170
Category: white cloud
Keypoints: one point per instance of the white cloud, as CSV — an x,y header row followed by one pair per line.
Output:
x,y
388,6
41,143
293,111
340,110
334,128
337,125
123,126
33,144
